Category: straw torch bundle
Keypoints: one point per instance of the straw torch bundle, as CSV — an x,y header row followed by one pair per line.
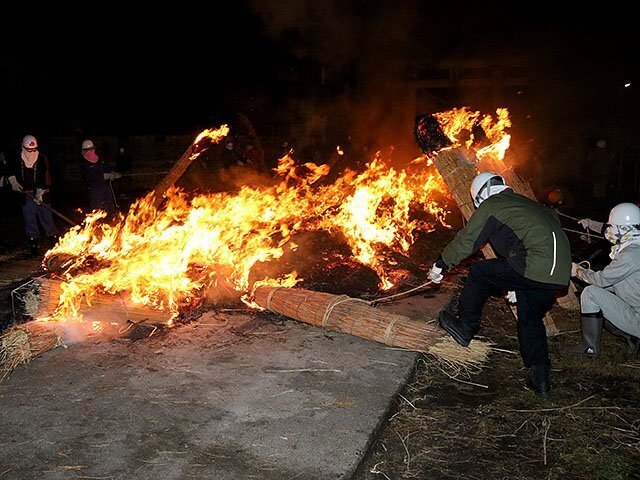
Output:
x,y
358,317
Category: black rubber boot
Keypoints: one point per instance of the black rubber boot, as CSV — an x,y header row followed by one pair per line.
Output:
x,y
589,346
51,241
633,343
449,322
34,247
538,380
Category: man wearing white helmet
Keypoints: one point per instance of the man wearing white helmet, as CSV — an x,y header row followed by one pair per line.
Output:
x,y
32,178
97,176
532,268
612,297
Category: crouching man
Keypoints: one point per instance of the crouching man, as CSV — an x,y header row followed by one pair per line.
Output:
x,y
612,298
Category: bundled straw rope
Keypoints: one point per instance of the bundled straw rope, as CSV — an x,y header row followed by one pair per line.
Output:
x,y
21,343
357,317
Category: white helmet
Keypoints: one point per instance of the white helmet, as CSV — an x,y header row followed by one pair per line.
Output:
x,y
29,141
87,144
625,214
481,187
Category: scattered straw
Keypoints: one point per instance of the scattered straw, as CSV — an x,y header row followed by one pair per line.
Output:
x,y
21,343
449,352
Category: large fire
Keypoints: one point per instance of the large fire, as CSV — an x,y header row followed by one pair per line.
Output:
x,y
164,256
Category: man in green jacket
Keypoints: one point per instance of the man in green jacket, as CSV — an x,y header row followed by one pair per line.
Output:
x,y
533,268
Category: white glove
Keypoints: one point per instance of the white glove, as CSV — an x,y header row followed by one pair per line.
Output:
x,y
511,297
109,176
434,274
589,224
15,186
575,269
39,195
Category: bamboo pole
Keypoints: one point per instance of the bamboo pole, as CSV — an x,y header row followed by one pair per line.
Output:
x,y
357,317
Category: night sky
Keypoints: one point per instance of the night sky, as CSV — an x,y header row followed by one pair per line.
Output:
x,y
130,70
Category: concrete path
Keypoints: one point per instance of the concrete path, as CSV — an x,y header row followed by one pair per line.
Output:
x,y
233,396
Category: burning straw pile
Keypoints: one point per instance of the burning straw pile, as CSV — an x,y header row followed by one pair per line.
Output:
x,y
38,299
358,317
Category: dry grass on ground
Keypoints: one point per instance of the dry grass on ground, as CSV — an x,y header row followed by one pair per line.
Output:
x,y
486,425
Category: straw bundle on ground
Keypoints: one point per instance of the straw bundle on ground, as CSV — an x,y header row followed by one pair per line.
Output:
x,y
20,343
39,299
103,308
357,317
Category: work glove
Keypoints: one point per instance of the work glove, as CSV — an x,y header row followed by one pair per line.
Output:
x,y
589,224
39,196
575,269
111,175
435,274
15,186
511,297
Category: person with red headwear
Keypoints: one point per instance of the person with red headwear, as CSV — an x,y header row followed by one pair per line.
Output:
x,y
97,175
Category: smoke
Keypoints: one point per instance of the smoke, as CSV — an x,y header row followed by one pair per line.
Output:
x,y
364,50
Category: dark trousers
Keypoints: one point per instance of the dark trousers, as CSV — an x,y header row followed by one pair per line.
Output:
x,y
534,300
32,213
101,197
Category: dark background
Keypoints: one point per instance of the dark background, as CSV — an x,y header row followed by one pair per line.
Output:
x,y
332,72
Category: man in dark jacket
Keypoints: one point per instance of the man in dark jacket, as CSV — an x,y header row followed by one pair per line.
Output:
x,y
97,176
31,177
533,267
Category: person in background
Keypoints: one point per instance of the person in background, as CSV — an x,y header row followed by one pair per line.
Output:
x,y
532,268
31,177
612,297
97,176
230,155
602,163
254,157
4,171
124,163
5,197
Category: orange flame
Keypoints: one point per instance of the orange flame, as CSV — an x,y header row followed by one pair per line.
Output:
x,y
164,256
455,121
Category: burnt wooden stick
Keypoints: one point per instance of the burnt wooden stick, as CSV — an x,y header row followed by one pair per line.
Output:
x,y
349,315
458,173
175,173
190,154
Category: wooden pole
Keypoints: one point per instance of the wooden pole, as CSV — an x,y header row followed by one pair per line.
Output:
x,y
174,174
190,154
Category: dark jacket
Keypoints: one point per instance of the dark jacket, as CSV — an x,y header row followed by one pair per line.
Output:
x,y
93,173
524,232
39,176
